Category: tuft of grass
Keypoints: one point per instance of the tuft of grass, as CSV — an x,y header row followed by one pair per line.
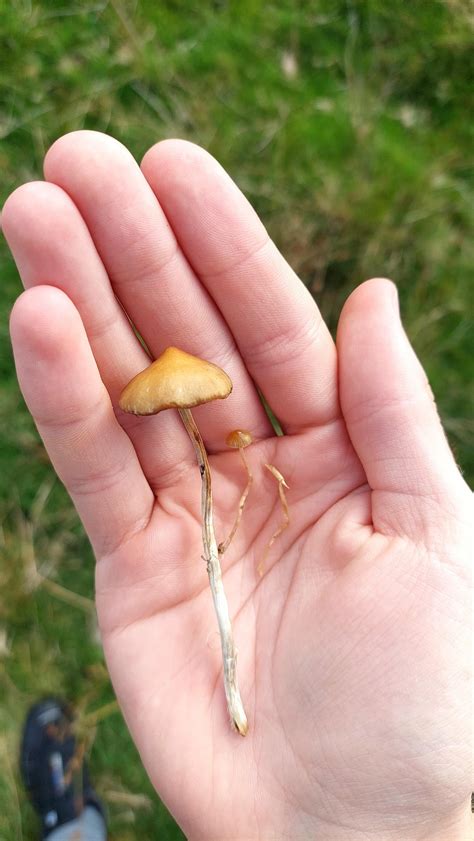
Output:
x,y
345,122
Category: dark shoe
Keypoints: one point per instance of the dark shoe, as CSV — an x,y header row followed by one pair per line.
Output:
x,y
47,748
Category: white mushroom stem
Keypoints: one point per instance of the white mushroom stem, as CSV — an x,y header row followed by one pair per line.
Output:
x,y
211,557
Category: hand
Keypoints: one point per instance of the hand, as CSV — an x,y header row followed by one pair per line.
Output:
x,y
353,645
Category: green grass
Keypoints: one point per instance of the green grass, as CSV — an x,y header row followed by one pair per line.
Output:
x,y
347,125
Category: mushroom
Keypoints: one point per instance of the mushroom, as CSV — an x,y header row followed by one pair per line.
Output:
x,y
179,380
286,514
238,439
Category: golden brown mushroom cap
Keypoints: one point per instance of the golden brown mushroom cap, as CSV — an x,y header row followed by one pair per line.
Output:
x,y
238,438
176,380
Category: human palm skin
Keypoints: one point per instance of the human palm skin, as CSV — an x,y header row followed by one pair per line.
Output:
x,y
353,645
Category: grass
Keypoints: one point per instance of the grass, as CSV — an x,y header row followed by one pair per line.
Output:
x,y
346,124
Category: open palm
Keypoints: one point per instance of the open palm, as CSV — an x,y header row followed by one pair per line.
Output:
x,y
352,645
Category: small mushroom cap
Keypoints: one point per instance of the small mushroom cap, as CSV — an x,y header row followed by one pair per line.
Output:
x,y
176,380
238,438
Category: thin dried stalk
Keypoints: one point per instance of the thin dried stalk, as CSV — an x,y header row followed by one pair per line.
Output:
x,y
243,499
65,595
211,557
286,515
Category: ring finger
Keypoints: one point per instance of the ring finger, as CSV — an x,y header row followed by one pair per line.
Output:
x,y
51,245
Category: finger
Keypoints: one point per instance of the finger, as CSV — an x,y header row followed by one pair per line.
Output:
x,y
285,344
148,271
51,244
90,451
389,410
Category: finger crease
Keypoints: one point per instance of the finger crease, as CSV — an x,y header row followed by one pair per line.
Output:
x,y
74,417
287,346
150,269
251,255
100,482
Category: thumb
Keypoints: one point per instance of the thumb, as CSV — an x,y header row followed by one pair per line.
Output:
x,y
390,414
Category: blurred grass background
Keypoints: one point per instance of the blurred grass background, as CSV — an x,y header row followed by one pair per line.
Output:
x,y
348,124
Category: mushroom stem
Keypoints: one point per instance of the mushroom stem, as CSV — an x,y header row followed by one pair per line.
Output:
x,y
211,557
243,499
286,515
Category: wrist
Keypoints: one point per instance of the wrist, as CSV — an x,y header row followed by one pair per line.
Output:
x,y
455,828
459,827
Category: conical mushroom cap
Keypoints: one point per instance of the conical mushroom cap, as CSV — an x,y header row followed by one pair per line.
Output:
x,y
176,380
238,439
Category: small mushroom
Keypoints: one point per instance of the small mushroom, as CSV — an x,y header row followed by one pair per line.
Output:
x,y
238,439
179,380
286,514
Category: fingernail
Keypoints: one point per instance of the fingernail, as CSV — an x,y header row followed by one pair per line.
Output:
x,y
394,299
